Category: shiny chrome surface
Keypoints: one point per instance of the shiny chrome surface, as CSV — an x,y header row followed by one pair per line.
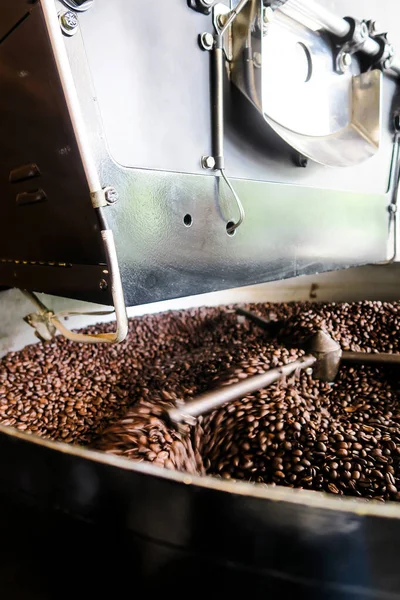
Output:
x,y
161,105
143,103
335,118
160,258
358,140
375,358
317,15
79,6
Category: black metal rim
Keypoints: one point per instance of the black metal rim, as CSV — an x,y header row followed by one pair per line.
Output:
x,y
299,497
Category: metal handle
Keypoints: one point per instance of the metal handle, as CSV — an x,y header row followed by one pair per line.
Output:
x,y
257,320
213,399
371,358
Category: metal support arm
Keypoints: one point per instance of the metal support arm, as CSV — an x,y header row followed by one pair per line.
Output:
x,y
51,321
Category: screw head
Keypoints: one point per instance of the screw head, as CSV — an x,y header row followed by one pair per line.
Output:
x,y
221,20
111,195
300,160
309,371
207,41
208,162
363,31
257,59
103,285
346,59
69,23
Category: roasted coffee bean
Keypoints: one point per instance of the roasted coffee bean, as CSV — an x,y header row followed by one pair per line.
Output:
x,y
297,432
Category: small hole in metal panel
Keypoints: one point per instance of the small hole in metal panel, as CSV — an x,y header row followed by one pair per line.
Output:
x,y
229,226
187,219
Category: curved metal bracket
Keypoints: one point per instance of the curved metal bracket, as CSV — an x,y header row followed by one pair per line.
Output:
x,y
47,323
78,6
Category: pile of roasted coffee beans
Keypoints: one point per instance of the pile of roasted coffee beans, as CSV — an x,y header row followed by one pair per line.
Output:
x,y
342,438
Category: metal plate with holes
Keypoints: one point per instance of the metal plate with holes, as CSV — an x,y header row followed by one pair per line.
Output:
x,y
154,107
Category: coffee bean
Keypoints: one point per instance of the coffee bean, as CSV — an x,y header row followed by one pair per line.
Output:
x,y
112,398
332,488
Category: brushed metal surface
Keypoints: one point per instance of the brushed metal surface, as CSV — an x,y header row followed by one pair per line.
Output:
x,y
289,230
336,117
155,103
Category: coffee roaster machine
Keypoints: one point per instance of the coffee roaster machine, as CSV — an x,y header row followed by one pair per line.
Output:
x,y
156,149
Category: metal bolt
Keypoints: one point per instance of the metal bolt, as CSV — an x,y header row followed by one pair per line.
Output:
x,y
207,162
300,160
257,59
375,28
69,23
392,208
346,59
111,195
363,31
221,20
103,285
207,41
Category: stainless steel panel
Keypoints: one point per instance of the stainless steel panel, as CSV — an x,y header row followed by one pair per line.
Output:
x,y
289,230
155,105
146,79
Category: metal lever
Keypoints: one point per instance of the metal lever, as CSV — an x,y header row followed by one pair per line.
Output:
x,y
331,23
260,321
323,346
218,110
325,357
205,403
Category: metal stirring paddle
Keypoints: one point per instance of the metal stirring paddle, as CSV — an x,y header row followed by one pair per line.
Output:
x,y
324,358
